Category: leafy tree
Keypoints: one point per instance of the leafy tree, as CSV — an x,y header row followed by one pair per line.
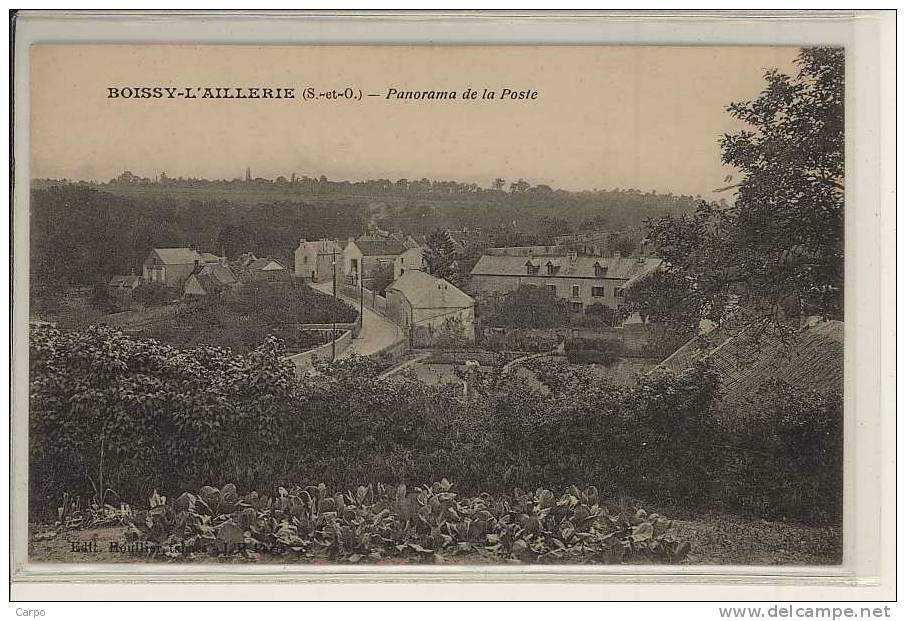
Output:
x,y
551,226
440,254
381,279
530,307
779,250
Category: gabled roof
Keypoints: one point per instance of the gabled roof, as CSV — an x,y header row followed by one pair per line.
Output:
x,y
208,283
260,264
322,246
176,256
208,257
380,248
810,358
223,274
423,290
623,268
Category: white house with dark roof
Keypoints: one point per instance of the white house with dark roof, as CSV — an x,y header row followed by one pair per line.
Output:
x,y
364,257
581,280
314,260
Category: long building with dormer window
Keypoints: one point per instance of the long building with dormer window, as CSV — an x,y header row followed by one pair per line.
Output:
x,y
581,280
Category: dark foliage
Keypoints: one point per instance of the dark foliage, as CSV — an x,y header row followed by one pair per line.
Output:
x,y
592,351
243,319
528,307
778,251
80,234
109,412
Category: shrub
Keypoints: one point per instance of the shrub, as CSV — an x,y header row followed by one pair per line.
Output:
x,y
109,412
529,307
101,298
787,458
155,294
592,351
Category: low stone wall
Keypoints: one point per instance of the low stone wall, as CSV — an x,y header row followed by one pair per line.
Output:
x,y
306,360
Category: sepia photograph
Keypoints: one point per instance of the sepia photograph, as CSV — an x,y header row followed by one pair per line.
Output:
x,y
469,306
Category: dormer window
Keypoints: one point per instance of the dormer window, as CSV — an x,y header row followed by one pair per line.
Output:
x,y
552,268
530,268
600,270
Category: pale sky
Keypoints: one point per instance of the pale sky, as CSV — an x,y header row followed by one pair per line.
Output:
x,y
632,117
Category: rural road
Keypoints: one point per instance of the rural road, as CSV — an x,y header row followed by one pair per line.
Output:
x,y
376,333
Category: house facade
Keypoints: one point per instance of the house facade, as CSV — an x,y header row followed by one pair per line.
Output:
x,y
363,258
170,266
314,260
428,307
411,259
580,280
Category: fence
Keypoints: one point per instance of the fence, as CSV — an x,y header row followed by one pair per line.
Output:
x,y
370,298
305,360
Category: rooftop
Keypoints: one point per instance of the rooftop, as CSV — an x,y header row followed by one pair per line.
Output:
x,y
426,291
566,266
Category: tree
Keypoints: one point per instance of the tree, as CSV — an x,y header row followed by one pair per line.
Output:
x,y
551,226
381,279
530,307
779,250
440,254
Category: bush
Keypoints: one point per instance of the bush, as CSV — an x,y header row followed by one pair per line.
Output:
x,y
155,294
529,307
109,412
592,351
101,298
241,320
788,459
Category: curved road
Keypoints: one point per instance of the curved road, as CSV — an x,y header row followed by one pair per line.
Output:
x,y
377,332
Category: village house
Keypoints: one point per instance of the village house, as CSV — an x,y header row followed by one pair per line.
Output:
x,y
428,307
122,287
267,269
579,279
364,257
173,266
210,279
411,258
314,260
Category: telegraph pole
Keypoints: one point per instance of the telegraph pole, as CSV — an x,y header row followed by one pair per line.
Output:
x,y
362,304
333,333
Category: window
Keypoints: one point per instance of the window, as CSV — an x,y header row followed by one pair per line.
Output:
x,y
617,292
575,291
597,292
305,259
552,289
600,270
531,269
575,307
